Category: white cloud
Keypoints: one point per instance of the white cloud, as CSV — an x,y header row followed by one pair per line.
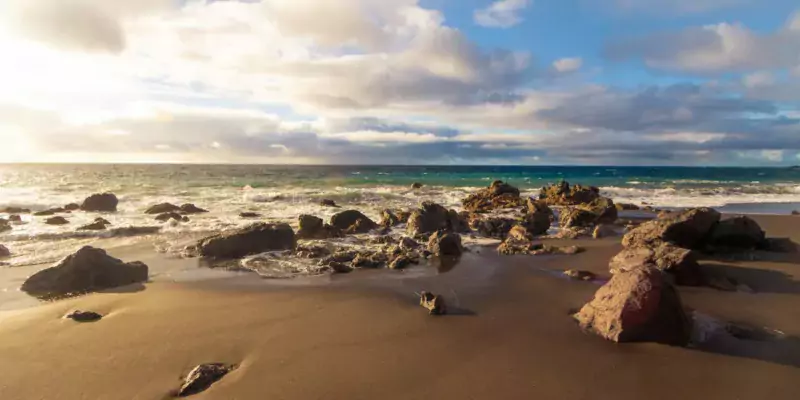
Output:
x,y
678,6
568,64
501,13
758,79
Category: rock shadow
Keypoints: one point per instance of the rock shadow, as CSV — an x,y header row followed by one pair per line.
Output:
x,y
758,345
760,280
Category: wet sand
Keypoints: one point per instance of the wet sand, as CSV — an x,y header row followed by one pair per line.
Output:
x,y
363,336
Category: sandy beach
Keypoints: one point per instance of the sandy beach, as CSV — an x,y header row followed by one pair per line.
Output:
x,y
364,336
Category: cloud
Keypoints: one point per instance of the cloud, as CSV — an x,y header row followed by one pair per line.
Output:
x,y
501,13
678,6
724,47
568,64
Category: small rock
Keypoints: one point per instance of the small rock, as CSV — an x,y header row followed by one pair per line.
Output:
x,y
45,213
416,185
202,377
189,208
603,230
14,218
172,215
626,207
100,202
72,207
400,262
311,227
328,203
4,252
94,226
249,215
445,244
311,251
339,267
83,316
580,275
433,303
16,210
408,244
795,212
56,221
162,208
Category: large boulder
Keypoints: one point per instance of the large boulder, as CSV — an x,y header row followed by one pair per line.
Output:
x,y
562,194
687,229
498,195
432,217
639,305
311,227
88,270
104,202
737,233
253,239
352,221
445,244
680,262
162,208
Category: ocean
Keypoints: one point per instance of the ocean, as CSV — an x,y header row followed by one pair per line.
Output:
x,y
281,193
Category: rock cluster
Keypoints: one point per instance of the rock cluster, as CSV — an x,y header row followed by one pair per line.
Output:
x,y
352,222
562,194
498,195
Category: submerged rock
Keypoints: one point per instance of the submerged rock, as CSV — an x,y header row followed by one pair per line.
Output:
x,y
48,212
311,227
105,202
740,233
580,275
56,221
416,185
680,262
162,208
253,239
172,215
498,195
14,218
562,194
99,224
328,203
687,229
352,221
626,207
639,305
202,377
88,270
445,244
72,207
249,215
435,304
432,217
780,245
16,210
189,208
83,316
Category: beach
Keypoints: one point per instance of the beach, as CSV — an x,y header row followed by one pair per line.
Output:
x,y
509,335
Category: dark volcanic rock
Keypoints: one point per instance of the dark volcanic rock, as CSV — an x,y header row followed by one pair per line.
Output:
x,y
254,239
741,233
16,210
352,221
687,229
4,252
432,217
189,208
562,194
416,185
48,212
493,227
88,270
497,196
433,303
99,224
202,377
100,202
328,203
680,262
162,208
445,244
72,207
83,316
56,221
640,305
311,227
249,215
172,215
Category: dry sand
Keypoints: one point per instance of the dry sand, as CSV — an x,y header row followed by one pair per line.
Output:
x,y
510,338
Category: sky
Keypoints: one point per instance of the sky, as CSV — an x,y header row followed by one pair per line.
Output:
x,y
533,82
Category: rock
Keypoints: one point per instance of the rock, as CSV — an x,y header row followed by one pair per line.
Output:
x,y
432,217
741,233
556,250
94,226
680,262
189,208
14,218
103,221
604,230
535,206
254,239
172,215
352,221
390,218
433,303
537,220
311,252
339,268
16,210
493,227
202,377
574,217
416,185
780,245
162,208
626,207
4,226
565,195
511,247
343,256
604,209
328,203
687,229
580,275
639,305
497,196
56,221
520,234
4,252
83,316
408,244
72,207
88,270
795,212
311,227
100,202
445,244
249,215
48,212
400,262
369,260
